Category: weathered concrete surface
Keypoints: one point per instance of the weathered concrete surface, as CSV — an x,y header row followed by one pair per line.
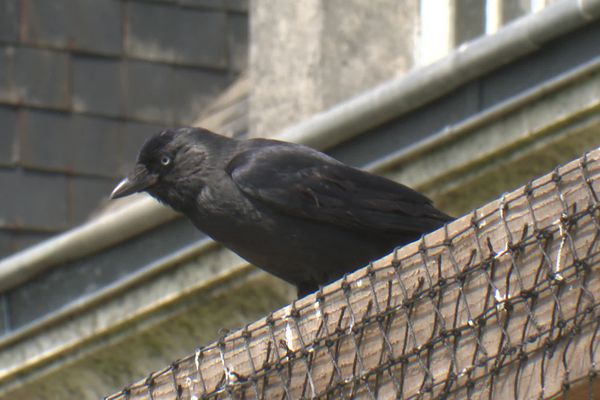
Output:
x,y
110,362
514,167
470,165
306,56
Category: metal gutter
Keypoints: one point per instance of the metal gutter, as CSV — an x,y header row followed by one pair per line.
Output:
x,y
451,132
111,291
326,129
108,229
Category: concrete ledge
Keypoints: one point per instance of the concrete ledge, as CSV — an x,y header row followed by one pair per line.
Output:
x,y
507,126
154,295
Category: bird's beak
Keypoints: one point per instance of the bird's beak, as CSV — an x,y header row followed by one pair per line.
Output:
x,y
140,179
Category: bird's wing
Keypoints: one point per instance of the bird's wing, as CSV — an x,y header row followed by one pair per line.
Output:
x,y
302,182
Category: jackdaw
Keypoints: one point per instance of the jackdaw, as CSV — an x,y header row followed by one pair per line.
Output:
x,y
289,209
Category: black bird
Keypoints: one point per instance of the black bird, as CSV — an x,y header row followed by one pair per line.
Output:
x,y
286,208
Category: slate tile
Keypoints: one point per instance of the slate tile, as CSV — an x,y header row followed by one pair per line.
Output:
x,y
8,135
207,4
8,87
98,85
33,200
238,5
94,144
149,88
86,194
88,25
177,35
41,77
97,26
45,140
9,20
233,5
75,143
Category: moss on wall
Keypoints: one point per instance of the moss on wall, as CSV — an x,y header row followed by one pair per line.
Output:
x,y
138,349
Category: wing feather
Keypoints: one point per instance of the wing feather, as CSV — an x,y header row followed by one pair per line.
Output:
x,y
305,183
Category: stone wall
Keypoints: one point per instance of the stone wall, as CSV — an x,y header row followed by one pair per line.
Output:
x,y
307,56
84,82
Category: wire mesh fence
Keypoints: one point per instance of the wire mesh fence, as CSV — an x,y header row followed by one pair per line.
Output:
x,y
502,303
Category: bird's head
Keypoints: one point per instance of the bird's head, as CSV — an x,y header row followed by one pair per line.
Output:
x,y
173,165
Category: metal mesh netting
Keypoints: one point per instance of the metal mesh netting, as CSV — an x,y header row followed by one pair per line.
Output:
x,y
502,303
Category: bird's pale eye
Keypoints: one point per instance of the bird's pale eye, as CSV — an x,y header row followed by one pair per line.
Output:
x,y
165,161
